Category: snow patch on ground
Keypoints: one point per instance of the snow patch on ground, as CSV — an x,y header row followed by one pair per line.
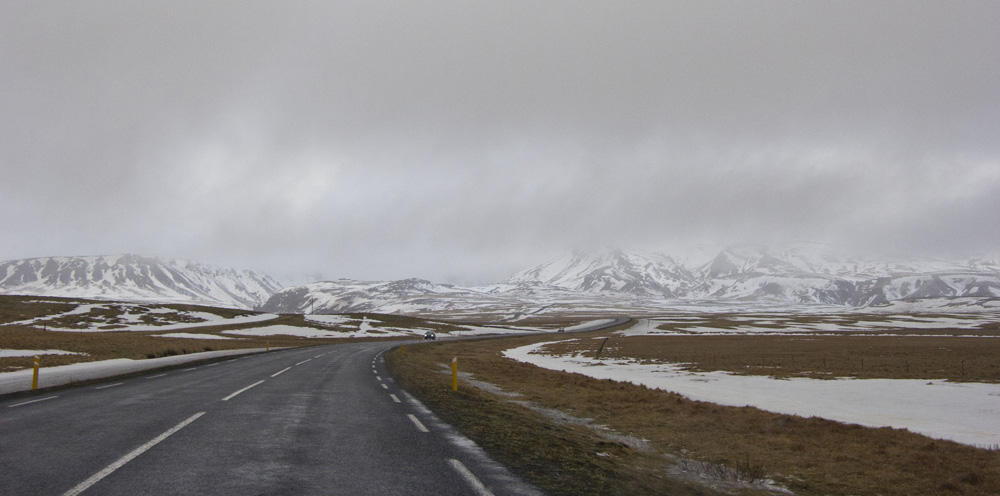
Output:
x,y
28,353
190,335
962,412
20,380
330,319
287,330
837,323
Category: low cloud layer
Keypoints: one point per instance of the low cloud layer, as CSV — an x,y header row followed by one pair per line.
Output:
x,y
461,141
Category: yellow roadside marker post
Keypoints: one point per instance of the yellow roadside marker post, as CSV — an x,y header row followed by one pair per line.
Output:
x,y
454,374
34,376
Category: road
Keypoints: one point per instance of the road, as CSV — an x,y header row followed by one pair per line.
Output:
x,y
319,420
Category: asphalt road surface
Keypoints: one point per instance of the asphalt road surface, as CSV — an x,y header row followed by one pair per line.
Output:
x,y
320,420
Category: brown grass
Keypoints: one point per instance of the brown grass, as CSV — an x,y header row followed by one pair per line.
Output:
x,y
107,343
809,456
970,359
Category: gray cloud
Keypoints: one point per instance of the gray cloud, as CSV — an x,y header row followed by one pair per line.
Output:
x,y
460,141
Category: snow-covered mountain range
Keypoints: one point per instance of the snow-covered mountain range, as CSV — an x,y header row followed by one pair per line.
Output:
x,y
578,283
747,272
136,278
614,280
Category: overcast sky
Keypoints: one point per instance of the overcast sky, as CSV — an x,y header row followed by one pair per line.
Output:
x,y
464,141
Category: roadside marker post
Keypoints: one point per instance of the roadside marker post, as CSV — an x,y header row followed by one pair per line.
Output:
x,y
34,376
454,374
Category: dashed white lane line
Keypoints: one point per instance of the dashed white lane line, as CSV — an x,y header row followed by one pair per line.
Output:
x,y
470,478
416,422
32,401
379,378
212,364
127,458
155,376
109,385
303,361
227,398
385,386
192,368
276,374
394,398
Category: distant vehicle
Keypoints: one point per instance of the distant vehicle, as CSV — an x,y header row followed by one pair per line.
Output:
x,y
561,330
430,335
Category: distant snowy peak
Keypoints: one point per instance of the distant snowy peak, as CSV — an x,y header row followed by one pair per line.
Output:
x,y
613,270
136,278
350,296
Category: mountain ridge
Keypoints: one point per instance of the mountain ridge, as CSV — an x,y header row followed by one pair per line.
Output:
x,y
136,278
608,280
614,279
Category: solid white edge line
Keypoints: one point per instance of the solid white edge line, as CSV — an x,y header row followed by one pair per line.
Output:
x,y
241,390
469,477
416,422
276,374
109,385
303,361
32,401
394,398
81,487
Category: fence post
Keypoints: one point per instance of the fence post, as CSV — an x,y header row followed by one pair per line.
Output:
x,y
454,374
598,354
34,376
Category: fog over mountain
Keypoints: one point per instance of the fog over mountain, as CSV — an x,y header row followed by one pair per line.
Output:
x,y
462,141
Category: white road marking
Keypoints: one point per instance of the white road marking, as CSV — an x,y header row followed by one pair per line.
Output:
x,y
379,378
416,422
129,457
155,376
394,398
276,374
109,385
385,386
303,361
469,477
32,401
185,370
227,398
212,364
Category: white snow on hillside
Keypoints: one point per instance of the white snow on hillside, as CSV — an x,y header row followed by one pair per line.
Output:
x,y
129,320
962,412
136,278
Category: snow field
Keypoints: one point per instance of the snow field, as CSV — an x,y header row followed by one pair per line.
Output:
x,y
28,353
962,412
132,321
64,374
